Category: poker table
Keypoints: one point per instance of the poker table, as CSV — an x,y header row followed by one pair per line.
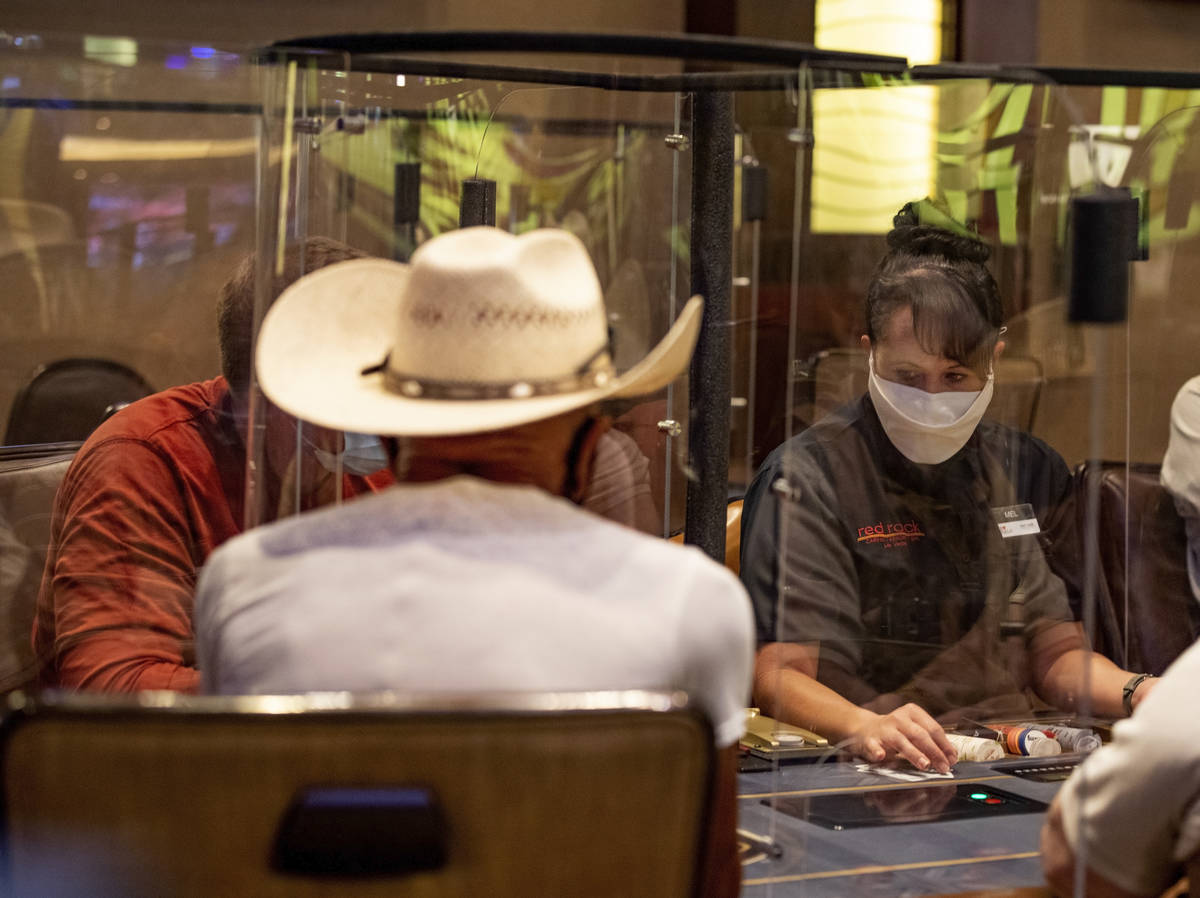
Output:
x,y
978,832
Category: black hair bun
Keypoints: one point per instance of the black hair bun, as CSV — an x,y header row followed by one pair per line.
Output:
x,y
908,235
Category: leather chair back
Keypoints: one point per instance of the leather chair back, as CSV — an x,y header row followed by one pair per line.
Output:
x,y
583,794
1146,615
733,535
67,399
28,482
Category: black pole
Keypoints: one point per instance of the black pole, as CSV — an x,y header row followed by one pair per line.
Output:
x,y
712,274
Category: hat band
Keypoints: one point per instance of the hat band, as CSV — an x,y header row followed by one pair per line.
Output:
x,y
596,372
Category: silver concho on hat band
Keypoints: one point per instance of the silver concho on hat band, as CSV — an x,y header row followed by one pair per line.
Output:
x,y
596,372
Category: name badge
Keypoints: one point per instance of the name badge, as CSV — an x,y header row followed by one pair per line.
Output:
x,y
1016,520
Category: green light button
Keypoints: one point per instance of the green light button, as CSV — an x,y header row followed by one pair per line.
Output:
x,y
979,796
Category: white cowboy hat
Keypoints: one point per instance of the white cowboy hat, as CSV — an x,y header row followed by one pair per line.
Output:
x,y
481,331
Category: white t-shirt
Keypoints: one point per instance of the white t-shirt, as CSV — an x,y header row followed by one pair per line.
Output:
x,y
1136,801
468,585
1181,470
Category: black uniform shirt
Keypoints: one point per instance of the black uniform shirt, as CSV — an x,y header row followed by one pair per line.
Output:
x,y
898,571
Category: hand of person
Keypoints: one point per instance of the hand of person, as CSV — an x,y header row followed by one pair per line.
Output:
x,y
909,733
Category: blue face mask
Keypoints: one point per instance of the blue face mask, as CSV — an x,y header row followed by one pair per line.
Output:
x,y
362,454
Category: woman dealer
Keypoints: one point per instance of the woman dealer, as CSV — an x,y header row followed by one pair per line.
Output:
x,y
892,549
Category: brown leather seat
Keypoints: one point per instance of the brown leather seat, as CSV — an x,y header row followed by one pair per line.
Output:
x,y
733,535
28,482
1146,615
68,398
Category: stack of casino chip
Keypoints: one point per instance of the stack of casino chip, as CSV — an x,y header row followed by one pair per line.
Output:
x,y
972,748
1073,738
1030,741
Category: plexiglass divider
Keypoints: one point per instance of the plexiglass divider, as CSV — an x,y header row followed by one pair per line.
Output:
x,y
1147,510
622,132
127,201
303,224
613,168
129,194
912,547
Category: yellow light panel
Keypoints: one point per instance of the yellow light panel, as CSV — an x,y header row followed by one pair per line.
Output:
x,y
115,149
874,148
908,28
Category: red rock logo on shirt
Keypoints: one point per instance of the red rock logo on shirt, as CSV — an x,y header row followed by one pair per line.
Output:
x,y
901,533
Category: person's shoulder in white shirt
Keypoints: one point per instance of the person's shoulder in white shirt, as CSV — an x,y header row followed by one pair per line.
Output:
x,y
365,595
1132,809
1181,470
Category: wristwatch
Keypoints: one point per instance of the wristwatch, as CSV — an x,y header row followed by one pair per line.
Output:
x,y
1130,688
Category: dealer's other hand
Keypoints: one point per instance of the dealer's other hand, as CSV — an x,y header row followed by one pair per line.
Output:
x,y
908,732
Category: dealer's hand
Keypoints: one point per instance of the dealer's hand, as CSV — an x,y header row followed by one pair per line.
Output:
x,y
909,733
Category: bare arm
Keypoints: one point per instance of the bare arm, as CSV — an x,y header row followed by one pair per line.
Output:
x,y
785,686
1058,863
1062,666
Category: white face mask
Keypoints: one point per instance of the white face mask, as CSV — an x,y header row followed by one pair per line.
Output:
x,y
362,454
927,428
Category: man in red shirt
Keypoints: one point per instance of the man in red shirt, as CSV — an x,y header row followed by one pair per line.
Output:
x,y
154,490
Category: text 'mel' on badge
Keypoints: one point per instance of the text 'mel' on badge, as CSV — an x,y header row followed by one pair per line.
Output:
x,y
1016,520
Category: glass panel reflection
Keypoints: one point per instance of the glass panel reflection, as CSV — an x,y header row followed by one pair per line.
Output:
x,y
941,494
1146,602
915,548
127,201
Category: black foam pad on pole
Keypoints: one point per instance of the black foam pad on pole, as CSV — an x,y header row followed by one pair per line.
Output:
x,y
754,192
478,206
1104,231
406,198
712,277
